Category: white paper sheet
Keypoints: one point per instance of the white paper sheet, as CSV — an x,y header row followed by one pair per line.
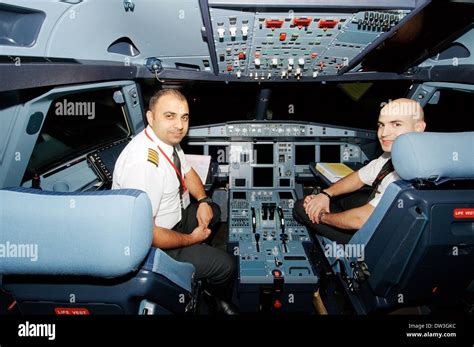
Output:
x,y
200,164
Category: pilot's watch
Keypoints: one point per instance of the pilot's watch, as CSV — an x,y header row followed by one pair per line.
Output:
x,y
207,200
322,213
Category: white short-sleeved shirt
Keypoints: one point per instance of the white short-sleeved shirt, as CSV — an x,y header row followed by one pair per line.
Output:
x,y
369,173
141,165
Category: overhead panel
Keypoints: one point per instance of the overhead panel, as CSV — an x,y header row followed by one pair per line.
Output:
x,y
294,44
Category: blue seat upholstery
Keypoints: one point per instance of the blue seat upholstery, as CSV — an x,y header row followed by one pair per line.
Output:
x,y
94,245
434,156
417,246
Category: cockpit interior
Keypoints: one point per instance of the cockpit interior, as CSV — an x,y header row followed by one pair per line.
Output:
x,y
274,88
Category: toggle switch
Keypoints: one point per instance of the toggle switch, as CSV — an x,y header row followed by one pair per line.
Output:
x,y
278,262
245,31
221,32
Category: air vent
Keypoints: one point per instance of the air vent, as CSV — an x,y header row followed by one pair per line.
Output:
x,y
124,46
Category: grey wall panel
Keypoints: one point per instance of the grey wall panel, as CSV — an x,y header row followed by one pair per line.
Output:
x,y
84,31
7,120
96,25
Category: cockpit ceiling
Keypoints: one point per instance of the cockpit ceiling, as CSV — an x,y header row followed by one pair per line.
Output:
x,y
221,39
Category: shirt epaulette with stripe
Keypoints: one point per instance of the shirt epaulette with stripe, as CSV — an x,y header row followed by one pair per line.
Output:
x,y
153,157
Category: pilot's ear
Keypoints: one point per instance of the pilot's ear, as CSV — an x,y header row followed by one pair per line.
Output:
x,y
420,126
149,117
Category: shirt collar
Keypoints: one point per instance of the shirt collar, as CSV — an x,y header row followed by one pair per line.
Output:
x,y
168,149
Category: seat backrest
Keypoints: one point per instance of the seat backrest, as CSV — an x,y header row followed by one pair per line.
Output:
x,y
103,234
419,242
93,246
436,157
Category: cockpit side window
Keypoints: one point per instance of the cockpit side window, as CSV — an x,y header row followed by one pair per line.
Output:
x,y
77,124
452,113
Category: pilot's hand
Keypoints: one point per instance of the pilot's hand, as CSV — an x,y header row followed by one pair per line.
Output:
x,y
204,214
314,205
308,198
200,233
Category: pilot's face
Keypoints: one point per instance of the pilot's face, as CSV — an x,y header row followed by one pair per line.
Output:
x,y
397,120
169,119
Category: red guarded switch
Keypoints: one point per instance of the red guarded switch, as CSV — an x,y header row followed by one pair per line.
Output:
x,y
327,24
274,23
302,22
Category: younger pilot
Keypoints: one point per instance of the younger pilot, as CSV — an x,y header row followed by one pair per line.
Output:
x,y
339,219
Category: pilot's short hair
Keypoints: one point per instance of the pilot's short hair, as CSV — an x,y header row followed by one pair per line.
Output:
x,y
162,92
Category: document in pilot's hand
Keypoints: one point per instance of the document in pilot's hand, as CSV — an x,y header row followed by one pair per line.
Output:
x,y
200,164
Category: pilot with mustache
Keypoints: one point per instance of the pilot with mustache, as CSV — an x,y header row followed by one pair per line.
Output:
x,y
155,163
334,214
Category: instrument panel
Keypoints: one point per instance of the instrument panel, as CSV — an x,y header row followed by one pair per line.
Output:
x,y
262,163
264,154
275,269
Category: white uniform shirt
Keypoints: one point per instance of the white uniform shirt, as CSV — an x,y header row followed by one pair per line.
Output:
x,y
369,173
141,165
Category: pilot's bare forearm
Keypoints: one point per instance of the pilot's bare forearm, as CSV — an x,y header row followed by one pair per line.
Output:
x,y
348,184
194,184
166,238
352,219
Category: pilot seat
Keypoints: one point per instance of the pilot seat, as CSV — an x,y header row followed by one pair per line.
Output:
x,y
88,253
418,244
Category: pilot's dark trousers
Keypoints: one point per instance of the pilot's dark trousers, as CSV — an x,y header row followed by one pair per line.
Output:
x,y
341,204
212,264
